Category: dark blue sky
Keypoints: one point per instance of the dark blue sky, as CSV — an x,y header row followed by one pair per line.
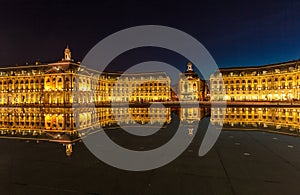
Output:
x,y
236,33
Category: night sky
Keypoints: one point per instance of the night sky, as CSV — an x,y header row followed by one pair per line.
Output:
x,y
236,33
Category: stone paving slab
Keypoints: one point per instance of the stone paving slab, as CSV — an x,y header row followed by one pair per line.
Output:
x,y
241,162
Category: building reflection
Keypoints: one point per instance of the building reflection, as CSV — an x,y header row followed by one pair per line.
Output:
x,y
67,126
190,118
191,115
274,120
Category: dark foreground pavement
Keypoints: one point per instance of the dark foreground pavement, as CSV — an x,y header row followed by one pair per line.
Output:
x,y
240,163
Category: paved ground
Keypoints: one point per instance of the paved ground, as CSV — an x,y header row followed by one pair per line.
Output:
x,y
240,163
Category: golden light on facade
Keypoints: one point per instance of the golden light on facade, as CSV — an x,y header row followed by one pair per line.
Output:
x,y
64,83
191,87
275,82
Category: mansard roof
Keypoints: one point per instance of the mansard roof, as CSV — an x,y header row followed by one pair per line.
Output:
x,y
281,65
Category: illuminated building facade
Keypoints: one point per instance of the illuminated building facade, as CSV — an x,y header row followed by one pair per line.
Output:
x,y
191,87
40,84
65,83
142,87
275,82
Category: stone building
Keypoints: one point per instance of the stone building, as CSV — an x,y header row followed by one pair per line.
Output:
x,y
191,87
274,82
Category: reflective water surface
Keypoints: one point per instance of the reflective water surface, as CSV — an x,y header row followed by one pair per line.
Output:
x,y
257,151
275,120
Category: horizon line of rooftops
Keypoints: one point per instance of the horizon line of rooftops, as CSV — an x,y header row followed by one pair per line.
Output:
x,y
68,60
76,64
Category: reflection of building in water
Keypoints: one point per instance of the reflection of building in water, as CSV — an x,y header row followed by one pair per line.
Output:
x,y
37,119
67,125
280,120
190,117
69,149
39,124
271,82
62,120
191,87
107,117
64,125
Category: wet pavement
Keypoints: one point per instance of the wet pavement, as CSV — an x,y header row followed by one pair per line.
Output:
x,y
241,162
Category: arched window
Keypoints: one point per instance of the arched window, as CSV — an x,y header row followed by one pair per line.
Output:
x,y
194,86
